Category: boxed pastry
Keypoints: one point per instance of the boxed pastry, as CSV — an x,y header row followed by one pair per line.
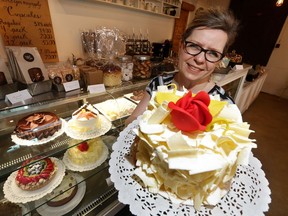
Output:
x,y
28,65
60,74
91,75
28,69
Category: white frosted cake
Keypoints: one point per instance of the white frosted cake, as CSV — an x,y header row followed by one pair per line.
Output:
x,y
85,119
190,146
87,152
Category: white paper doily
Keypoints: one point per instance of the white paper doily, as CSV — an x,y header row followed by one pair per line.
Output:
x,y
249,194
46,210
81,168
16,195
24,142
104,126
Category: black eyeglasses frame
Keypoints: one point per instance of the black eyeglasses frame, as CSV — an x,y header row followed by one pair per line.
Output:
x,y
201,49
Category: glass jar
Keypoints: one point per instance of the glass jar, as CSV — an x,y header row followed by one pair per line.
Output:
x,y
126,64
112,75
142,67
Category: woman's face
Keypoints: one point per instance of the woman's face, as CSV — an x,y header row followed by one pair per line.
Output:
x,y
196,69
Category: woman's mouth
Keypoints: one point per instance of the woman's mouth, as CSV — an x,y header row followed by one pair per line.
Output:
x,y
194,68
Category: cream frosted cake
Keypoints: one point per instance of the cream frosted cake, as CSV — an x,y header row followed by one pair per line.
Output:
x,y
85,119
190,146
87,152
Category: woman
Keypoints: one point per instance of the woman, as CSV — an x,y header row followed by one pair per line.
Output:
x,y
203,45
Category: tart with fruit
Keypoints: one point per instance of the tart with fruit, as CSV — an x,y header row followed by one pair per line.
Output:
x,y
35,173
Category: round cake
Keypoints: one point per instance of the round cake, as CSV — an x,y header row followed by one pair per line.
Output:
x,y
112,75
190,146
35,173
85,119
87,152
64,192
38,126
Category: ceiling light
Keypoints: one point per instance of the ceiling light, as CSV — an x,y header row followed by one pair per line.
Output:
x,y
279,3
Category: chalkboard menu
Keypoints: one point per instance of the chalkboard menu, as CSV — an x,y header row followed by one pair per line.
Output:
x,y
28,23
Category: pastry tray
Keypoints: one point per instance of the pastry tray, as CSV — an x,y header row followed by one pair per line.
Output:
x,y
115,109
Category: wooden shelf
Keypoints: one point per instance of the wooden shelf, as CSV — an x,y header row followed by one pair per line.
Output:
x,y
157,7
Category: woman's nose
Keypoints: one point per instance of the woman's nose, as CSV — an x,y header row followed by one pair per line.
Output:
x,y
200,57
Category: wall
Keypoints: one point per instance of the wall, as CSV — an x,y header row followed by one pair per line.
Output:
x,y
69,17
277,67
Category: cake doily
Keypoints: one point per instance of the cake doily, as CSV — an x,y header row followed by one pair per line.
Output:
x,y
24,142
46,210
16,195
81,168
249,194
99,130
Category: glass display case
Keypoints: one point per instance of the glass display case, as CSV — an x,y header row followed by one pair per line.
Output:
x,y
95,192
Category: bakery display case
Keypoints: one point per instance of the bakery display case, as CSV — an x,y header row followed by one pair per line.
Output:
x,y
95,192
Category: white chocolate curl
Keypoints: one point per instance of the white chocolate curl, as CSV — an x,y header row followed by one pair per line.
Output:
x,y
160,114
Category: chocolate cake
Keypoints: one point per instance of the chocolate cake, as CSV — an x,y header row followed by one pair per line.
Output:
x,y
38,126
64,192
11,209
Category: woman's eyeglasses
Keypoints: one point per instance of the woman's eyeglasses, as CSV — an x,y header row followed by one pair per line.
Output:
x,y
194,50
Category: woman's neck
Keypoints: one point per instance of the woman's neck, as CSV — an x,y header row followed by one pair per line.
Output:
x,y
201,85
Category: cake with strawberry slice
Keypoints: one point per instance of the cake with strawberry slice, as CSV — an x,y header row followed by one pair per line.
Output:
x,y
35,173
84,119
87,152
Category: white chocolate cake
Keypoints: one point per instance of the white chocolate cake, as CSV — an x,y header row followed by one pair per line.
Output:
x,y
189,149
87,152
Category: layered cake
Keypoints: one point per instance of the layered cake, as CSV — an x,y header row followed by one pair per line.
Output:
x,y
190,146
35,173
85,118
64,192
112,75
87,152
38,126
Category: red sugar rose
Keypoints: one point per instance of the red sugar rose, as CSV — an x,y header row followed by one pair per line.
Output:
x,y
191,113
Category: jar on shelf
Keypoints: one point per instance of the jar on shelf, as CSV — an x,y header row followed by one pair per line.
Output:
x,y
142,67
112,75
126,64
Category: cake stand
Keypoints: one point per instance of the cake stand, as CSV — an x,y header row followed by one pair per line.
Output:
x,y
24,142
99,130
46,210
15,194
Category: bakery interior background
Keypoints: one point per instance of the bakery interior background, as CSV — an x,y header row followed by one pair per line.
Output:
x,y
265,27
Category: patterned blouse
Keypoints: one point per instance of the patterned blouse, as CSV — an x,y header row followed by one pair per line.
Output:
x,y
167,79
